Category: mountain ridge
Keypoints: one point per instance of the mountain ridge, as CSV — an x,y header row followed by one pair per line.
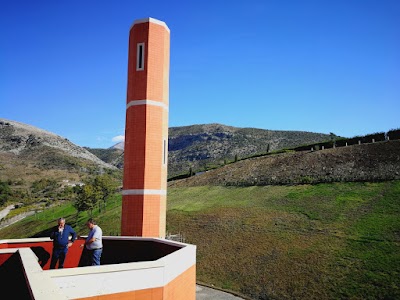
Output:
x,y
17,136
30,153
201,145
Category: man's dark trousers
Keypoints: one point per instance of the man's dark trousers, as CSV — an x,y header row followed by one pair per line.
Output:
x,y
59,254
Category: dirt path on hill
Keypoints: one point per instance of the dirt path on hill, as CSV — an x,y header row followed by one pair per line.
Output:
x,y
5,211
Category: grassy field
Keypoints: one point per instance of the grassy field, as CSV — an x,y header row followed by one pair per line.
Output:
x,y
325,241
40,223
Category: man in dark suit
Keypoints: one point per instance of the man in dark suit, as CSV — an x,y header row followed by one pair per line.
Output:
x,y
61,242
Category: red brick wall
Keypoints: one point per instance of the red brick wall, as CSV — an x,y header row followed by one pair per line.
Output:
x,y
43,251
146,131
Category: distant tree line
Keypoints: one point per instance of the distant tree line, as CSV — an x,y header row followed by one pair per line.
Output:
x,y
393,134
91,193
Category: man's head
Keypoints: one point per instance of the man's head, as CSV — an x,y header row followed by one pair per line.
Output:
x,y
90,223
61,222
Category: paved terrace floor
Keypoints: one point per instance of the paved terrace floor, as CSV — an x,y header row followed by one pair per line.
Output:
x,y
206,293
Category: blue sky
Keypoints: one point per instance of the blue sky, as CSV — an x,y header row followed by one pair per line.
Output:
x,y
310,65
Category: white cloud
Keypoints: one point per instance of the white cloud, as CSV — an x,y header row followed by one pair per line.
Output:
x,y
118,138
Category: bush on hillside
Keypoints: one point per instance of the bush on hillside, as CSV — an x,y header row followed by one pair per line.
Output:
x,y
5,192
394,134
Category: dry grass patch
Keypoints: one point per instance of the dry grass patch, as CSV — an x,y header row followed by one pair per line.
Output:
x,y
263,254
328,241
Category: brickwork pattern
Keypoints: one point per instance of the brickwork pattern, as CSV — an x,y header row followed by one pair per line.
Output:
x,y
146,132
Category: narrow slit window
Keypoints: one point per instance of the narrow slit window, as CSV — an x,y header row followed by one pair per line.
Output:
x,y
140,57
165,152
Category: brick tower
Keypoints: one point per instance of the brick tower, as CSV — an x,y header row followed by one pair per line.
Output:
x,y
146,130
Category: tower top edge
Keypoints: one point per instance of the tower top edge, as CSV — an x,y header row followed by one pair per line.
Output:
x,y
150,20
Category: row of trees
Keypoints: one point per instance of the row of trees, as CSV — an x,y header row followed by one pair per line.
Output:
x,y
393,134
41,190
91,193
94,192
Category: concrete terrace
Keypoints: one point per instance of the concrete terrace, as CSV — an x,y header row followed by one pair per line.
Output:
x,y
142,268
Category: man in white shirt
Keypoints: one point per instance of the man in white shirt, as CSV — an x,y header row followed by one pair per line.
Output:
x,y
94,243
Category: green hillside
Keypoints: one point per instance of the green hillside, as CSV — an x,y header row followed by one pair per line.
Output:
x,y
324,241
